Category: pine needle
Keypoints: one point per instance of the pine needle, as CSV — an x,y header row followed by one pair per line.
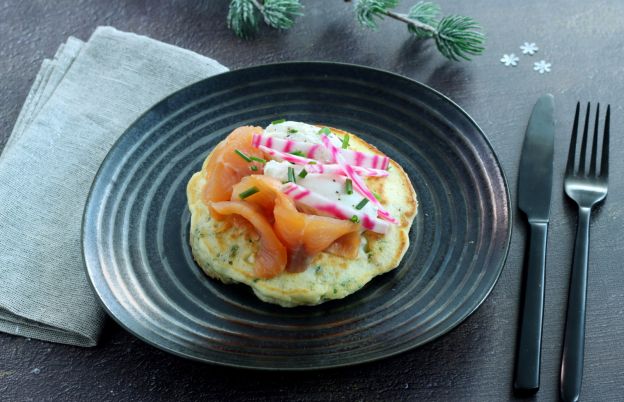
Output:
x,y
458,37
281,14
368,12
242,18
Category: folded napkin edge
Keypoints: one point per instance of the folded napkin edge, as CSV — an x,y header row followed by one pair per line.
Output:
x,y
19,326
109,30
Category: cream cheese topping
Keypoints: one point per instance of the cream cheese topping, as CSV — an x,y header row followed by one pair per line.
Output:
x,y
331,186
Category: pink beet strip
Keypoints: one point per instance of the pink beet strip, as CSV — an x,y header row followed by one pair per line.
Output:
x,y
282,145
312,151
299,160
335,168
315,151
358,183
323,204
313,167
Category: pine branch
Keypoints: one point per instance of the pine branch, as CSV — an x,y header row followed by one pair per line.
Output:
x,y
456,37
367,11
420,29
423,13
281,14
242,18
244,15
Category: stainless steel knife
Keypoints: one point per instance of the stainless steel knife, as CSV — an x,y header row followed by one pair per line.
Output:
x,y
534,193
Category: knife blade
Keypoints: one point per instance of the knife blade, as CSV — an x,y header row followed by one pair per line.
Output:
x,y
534,194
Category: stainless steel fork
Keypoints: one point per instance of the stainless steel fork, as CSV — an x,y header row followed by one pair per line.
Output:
x,y
587,187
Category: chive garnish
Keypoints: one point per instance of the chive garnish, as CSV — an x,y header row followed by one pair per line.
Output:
x,y
250,191
361,204
355,219
253,158
253,168
325,130
291,175
377,196
345,141
278,121
298,153
242,155
303,173
291,130
349,186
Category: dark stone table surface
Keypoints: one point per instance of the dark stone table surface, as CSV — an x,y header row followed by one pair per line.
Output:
x,y
474,362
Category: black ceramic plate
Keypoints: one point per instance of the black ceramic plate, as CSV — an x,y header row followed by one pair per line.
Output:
x,y
136,222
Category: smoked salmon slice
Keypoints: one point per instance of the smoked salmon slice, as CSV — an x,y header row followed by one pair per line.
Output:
x,y
306,235
303,235
315,232
347,246
318,231
271,256
224,168
268,188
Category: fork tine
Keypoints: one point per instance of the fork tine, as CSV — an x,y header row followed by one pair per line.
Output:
x,y
581,168
572,151
594,152
604,163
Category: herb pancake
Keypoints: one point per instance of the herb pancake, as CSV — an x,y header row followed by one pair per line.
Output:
x,y
226,249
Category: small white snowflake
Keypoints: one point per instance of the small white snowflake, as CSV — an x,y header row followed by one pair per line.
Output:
x,y
529,48
510,59
542,67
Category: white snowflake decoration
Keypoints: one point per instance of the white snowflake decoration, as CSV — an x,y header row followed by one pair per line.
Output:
x,y
510,59
542,67
529,48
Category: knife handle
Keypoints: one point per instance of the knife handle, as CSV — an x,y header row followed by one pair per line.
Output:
x,y
530,341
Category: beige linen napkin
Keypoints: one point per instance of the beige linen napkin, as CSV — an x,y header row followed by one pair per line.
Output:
x,y
81,101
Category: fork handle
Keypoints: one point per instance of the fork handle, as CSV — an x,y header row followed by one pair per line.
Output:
x,y
574,336
527,376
